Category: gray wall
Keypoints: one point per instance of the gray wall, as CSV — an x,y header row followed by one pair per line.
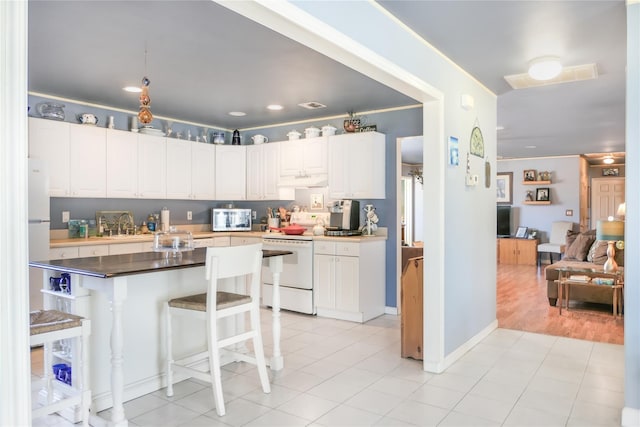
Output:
x,y
564,194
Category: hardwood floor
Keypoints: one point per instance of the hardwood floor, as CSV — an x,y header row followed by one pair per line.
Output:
x,y
522,304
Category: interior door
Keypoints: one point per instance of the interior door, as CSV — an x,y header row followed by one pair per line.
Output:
x,y
606,196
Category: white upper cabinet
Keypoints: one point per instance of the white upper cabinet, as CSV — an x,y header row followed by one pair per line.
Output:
x,y
122,164
75,155
203,171
263,171
49,140
135,165
231,169
303,162
357,166
88,170
152,175
178,169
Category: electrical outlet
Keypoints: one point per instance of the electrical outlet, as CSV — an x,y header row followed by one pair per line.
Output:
x,y
65,216
254,215
189,215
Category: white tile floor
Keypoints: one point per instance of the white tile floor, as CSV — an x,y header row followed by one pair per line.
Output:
x,y
346,374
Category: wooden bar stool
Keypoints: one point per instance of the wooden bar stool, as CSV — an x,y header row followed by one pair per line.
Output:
x,y
221,263
47,326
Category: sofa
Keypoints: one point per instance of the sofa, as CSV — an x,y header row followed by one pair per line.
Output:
x,y
582,251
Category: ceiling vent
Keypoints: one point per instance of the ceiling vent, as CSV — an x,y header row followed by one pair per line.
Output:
x,y
568,74
312,105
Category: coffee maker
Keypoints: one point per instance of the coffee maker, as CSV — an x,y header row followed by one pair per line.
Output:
x,y
344,215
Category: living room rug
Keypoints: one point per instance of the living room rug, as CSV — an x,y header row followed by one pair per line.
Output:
x,y
522,304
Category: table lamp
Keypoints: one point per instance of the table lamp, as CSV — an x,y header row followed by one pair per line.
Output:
x,y
610,231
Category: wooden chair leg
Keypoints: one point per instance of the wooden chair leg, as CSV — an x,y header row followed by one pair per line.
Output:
x,y
214,368
259,350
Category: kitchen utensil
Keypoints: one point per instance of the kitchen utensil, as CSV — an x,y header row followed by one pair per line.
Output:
x,y
88,119
293,135
259,139
311,132
235,140
50,110
328,130
294,229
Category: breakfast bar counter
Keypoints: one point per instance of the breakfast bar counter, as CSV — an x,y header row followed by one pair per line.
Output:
x,y
123,295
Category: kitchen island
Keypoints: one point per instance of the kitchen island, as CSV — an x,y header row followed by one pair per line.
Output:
x,y
127,348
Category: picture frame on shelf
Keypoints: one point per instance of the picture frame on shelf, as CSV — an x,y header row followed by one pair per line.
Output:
x,y
504,188
542,194
529,175
610,172
521,233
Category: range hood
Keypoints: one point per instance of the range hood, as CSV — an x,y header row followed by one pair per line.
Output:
x,y
321,180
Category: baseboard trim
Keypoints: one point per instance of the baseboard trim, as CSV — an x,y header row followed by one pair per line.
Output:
x,y
391,310
451,358
630,417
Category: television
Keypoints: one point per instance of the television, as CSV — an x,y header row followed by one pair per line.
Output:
x,y
504,221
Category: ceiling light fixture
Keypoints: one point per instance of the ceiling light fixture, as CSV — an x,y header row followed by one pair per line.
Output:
x,y
237,113
608,160
132,89
274,107
545,68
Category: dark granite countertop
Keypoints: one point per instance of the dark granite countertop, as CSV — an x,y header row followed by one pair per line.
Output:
x,y
129,264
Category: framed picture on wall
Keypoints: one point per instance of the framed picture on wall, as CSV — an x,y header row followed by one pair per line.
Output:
x,y
610,172
317,201
504,188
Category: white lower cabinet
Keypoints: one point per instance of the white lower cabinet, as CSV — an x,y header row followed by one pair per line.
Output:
x,y
348,278
211,241
63,253
240,241
93,250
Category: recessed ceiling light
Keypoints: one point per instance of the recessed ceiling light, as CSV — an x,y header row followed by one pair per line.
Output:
x,y
132,89
312,105
608,160
499,127
237,113
545,68
274,107
530,146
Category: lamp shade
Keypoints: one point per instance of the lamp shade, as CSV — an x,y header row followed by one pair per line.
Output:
x,y
622,209
610,230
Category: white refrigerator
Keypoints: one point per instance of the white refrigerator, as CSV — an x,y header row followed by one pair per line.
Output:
x,y
39,222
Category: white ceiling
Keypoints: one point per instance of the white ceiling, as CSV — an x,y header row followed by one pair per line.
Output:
x,y
204,61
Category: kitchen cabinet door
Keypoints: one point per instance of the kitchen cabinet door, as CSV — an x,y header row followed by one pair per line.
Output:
x,y
203,171
303,157
263,172
347,283
122,164
324,280
179,169
88,168
49,141
231,170
152,175
356,166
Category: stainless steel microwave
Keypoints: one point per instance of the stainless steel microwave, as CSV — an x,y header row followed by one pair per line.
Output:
x,y
230,219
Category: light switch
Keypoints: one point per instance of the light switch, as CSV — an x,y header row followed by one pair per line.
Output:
x,y
65,216
189,215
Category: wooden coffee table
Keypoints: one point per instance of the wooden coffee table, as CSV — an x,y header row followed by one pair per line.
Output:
x,y
590,277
